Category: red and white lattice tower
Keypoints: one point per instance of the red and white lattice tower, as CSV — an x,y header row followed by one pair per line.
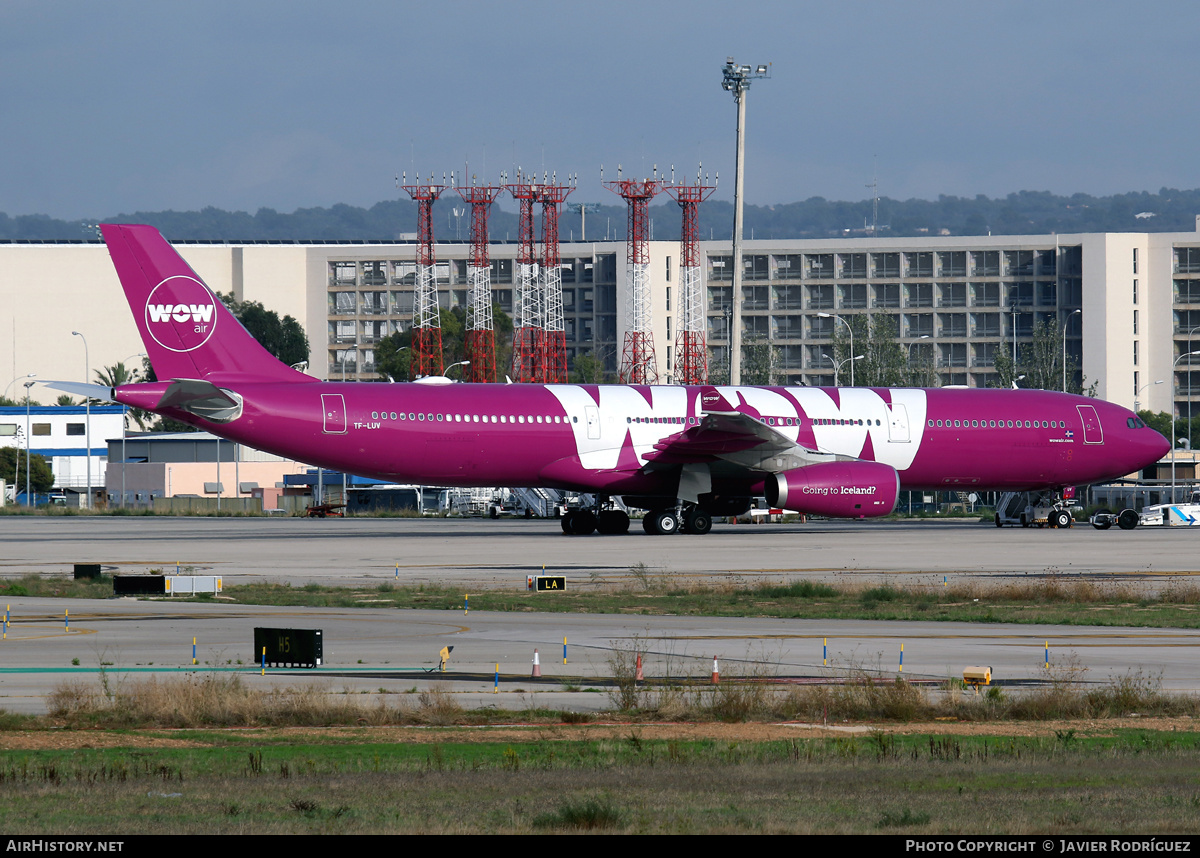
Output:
x,y
691,347
427,325
552,362
481,334
638,363
527,311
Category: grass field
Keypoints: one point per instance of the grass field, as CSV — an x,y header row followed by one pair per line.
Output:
x,y
562,779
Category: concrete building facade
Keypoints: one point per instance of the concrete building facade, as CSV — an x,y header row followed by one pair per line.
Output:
x,y
1129,302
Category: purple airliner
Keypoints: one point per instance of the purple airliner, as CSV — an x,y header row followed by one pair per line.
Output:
x,y
684,454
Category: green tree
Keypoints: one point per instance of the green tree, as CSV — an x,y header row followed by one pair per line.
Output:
x,y
877,338
13,468
394,357
1040,362
588,368
284,338
117,374
758,360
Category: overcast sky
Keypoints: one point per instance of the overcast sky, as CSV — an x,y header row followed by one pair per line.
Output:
x,y
117,106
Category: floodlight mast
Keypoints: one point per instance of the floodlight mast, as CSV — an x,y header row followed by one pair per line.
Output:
x,y
427,324
527,310
691,348
481,335
552,356
736,79
638,362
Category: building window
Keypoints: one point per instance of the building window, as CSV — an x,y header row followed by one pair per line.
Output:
x,y
44,428
73,429
1135,260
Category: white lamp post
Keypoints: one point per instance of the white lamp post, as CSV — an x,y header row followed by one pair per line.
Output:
x,y
851,330
838,364
736,79
87,371
29,443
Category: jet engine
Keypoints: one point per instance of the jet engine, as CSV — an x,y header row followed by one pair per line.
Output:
x,y
840,489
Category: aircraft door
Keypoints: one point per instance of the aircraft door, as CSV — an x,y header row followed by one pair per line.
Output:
x,y
1093,432
592,415
898,424
333,405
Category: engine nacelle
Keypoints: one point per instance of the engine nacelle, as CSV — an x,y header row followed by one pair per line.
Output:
x,y
840,489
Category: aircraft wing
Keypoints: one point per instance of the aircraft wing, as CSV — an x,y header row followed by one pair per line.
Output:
x,y
737,439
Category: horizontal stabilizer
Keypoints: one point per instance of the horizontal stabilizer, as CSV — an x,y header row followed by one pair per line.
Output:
x,y
202,398
80,388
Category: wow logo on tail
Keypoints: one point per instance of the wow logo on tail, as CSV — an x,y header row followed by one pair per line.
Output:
x,y
181,314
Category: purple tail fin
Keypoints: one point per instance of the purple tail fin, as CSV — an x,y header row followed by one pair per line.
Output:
x,y
187,331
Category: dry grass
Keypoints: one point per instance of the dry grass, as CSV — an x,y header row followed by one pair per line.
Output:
x,y
228,701
745,693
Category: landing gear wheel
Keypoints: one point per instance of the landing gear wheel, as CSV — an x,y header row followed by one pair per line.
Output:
x,y
584,523
697,521
666,522
662,522
1061,518
613,522
1128,519
568,521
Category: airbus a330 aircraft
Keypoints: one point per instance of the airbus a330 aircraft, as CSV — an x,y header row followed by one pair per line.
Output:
x,y
684,454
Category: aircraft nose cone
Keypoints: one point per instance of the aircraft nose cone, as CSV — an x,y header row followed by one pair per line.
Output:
x,y
1160,445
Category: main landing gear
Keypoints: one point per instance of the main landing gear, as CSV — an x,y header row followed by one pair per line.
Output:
x,y
664,522
605,518
612,521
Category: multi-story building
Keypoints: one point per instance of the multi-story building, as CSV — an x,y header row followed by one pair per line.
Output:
x,y
1128,303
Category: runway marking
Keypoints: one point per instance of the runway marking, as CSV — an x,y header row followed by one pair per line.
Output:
x,y
57,633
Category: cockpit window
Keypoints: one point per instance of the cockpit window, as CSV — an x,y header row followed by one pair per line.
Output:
x,y
1135,423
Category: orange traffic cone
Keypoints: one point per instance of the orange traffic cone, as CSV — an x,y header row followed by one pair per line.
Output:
x,y
537,666
638,676
716,677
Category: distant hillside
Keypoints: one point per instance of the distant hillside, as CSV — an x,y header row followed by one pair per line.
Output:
x,y
1023,213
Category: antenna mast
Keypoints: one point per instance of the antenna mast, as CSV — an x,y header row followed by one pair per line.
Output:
x,y
691,347
638,363
481,334
427,325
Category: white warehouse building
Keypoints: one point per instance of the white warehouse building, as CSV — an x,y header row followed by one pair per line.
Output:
x,y
957,301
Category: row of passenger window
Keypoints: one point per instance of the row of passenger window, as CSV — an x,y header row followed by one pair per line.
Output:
x,y
547,419
998,424
470,418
